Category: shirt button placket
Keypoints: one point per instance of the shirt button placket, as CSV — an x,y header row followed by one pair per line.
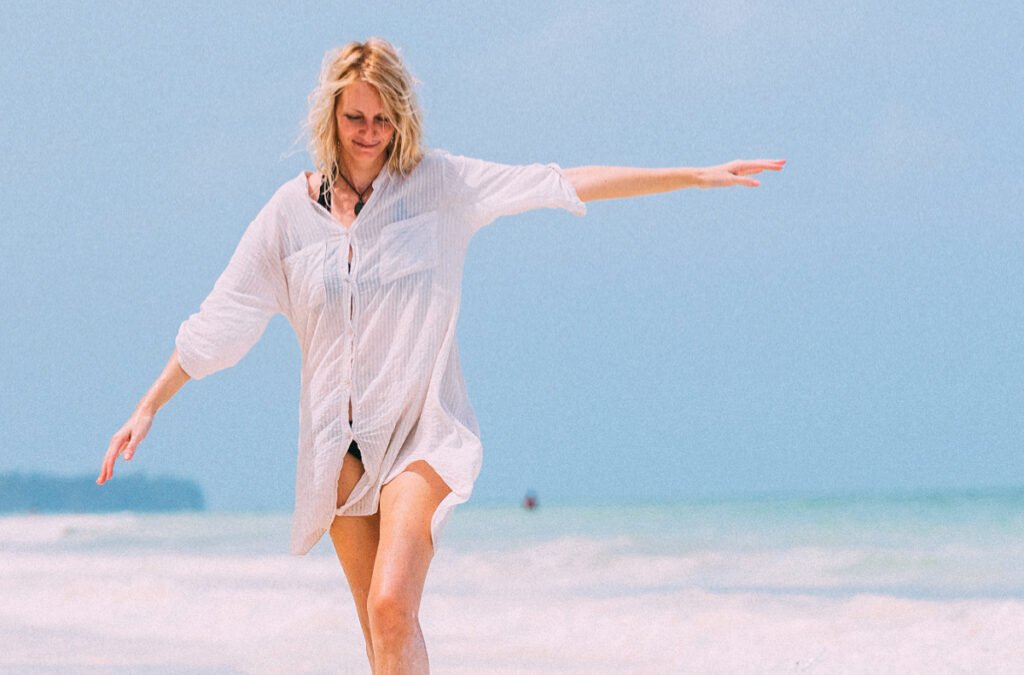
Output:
x,y
350,324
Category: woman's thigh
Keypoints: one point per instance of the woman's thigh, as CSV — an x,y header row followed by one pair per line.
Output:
x,y
355,537
405,548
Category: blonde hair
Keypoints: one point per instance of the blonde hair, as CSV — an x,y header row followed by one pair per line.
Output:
x,y
377,63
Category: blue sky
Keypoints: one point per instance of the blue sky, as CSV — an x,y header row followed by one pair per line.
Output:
x,y
852,324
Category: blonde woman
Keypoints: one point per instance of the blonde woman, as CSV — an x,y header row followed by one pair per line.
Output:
x,y
364,257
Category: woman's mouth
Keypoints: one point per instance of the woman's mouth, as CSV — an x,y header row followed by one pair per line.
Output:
x,y
364,145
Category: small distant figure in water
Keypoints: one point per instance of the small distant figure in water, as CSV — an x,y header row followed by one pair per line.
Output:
x,y
530,500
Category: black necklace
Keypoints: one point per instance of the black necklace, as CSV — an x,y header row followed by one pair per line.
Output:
x,y
359,202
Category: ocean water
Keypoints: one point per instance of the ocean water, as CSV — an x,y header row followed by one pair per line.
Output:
x,y
927,583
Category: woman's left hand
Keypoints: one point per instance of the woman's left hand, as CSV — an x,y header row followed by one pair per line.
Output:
x,y
734,172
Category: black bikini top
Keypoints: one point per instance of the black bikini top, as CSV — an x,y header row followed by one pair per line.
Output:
x,y
325,194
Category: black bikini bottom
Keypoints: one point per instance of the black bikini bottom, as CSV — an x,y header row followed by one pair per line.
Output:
x,y
353,449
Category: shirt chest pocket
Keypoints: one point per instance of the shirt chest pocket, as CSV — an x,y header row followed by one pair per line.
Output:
x,y
304,271
409,246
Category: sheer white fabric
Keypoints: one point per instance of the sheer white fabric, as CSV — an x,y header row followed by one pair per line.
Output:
x,y
382,335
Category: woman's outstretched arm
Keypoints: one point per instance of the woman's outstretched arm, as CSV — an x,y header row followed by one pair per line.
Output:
x,y
614,182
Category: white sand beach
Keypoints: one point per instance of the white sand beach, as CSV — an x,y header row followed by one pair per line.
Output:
x,y
111,594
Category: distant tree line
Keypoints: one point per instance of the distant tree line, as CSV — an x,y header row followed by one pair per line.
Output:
x,y
44,493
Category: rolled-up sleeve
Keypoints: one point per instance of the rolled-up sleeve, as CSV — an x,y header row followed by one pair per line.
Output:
x,y
489,190
233,317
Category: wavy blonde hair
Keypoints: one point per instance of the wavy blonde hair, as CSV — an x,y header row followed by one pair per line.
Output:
x,y
377,63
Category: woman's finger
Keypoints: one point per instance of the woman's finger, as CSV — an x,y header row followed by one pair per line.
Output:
x,y
105,470
108,467
108,461
745,168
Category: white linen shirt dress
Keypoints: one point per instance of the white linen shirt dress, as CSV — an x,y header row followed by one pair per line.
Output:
x,y
382,334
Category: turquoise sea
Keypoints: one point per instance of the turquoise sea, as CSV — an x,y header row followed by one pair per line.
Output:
x,y
924,582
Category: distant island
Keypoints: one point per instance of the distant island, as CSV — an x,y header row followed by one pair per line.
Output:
x,y
45,493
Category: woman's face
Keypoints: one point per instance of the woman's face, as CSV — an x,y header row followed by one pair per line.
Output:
x,y
363,128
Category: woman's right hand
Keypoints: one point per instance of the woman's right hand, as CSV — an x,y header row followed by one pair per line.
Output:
x,y
125,441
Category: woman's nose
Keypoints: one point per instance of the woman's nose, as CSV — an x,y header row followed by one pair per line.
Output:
x,y
368,129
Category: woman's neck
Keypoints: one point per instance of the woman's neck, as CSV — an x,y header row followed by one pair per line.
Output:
x,y
362,176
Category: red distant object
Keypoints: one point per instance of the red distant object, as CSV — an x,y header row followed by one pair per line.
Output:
x,y
530,501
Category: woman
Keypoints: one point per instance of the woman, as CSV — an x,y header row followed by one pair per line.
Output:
x,y
365,257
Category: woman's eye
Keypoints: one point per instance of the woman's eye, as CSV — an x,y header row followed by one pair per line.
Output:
x,y
359,118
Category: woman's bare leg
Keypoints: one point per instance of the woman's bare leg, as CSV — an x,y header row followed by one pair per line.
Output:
x,y
355,542
404,552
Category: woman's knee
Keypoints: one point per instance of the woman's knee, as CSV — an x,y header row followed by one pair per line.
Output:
x,y
392,611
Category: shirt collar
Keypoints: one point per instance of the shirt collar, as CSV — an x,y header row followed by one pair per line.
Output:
x,y
382,178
